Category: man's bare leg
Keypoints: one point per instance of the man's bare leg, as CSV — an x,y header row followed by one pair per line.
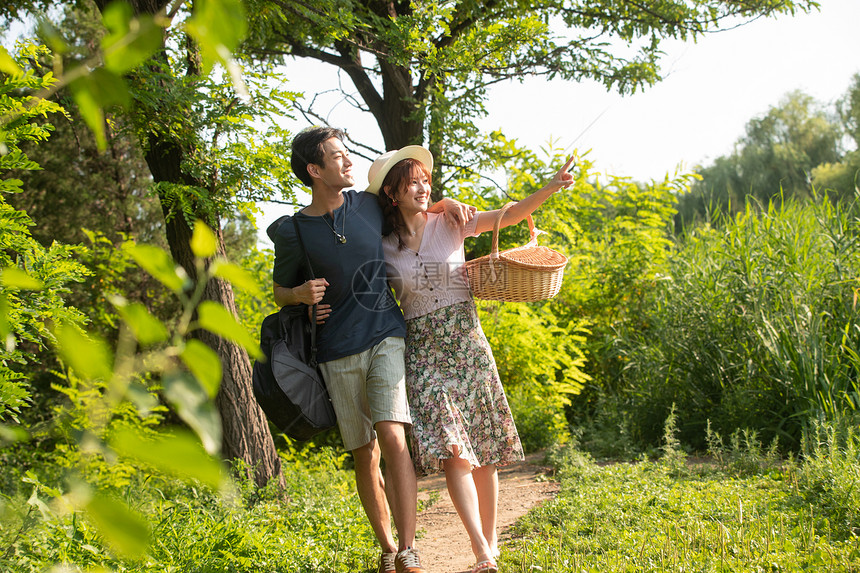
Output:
x,y
400,478
371,492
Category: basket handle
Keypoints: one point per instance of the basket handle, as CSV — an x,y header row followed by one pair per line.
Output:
x,y
533,233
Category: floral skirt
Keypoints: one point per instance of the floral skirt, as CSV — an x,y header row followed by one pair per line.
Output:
x,y
455,395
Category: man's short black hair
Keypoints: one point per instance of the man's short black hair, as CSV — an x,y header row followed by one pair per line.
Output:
x,y
307,148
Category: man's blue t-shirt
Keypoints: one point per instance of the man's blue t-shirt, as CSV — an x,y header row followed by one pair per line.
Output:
x,y
364,311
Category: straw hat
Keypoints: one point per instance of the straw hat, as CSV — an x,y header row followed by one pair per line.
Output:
x,y
386,161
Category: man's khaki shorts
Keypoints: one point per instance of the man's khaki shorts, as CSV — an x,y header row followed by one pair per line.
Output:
x,y
367,388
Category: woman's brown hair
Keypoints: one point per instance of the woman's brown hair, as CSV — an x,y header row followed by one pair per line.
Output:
x,y
397,180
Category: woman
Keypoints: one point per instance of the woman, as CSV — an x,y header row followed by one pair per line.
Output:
x,y
461,420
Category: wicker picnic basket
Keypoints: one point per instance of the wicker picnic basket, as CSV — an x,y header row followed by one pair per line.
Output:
x,y
523,274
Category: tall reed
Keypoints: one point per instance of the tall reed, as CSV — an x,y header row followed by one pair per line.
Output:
x,y
754,326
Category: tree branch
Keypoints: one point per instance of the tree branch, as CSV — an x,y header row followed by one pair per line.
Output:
x,y
313,117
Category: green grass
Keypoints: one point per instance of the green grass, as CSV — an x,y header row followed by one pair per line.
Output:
x,y
745,509
316,525
649,516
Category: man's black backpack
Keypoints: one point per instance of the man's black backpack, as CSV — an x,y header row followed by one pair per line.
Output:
x,y
288,384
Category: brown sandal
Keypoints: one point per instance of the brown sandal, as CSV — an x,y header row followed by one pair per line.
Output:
x,y
485,567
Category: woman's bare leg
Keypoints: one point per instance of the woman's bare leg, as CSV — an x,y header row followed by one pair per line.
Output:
x,y
486,479
464,496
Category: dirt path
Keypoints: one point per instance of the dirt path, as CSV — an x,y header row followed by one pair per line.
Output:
x,y
443,542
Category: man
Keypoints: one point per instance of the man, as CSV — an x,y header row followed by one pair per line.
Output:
x,y
361,343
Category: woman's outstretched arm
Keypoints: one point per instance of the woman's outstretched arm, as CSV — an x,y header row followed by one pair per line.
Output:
x,y
527,206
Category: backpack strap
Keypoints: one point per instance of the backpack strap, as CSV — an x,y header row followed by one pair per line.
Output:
x,y
312,362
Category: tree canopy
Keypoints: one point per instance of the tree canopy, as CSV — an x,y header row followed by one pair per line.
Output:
x,y
796,149
422,69
196,131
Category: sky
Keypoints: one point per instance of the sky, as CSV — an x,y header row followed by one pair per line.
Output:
x,y
711,90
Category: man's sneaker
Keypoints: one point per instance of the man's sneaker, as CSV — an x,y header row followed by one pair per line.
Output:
x,y
386,563
407,561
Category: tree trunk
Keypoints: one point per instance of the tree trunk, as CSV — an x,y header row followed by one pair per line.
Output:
x,y
400,117
434,144
245,431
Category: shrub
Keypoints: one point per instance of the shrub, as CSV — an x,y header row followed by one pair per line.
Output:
x,y
605,434
829,475
540,365
33,278
744,454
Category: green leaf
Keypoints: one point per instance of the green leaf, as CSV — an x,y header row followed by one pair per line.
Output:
x,y
192,403
130,41
237,276
35,502
217,319
203,241
92,111
178,454
124,529
90,356
5,328
218,26
144,400
117,18
8,64
12,434
15,278
159,264
9,185
50,36
204,363
147,329
95,91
